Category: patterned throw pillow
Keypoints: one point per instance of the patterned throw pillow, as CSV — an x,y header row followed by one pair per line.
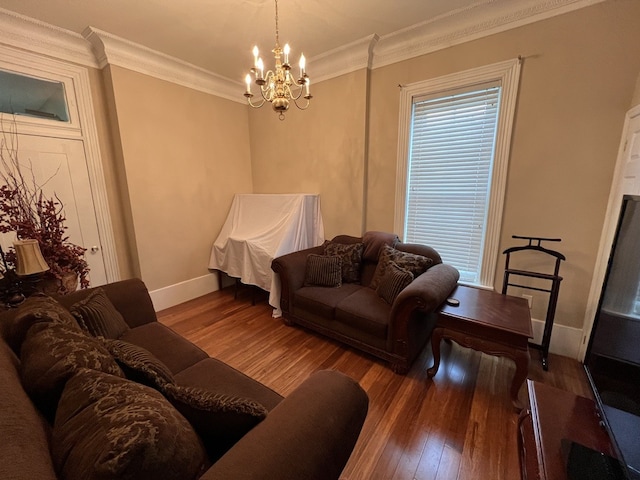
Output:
x,y
323,271
97,315
51,354
219,419
112,428
139,364
416,264
351,259
394,281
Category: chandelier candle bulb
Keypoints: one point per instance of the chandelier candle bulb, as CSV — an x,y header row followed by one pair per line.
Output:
x,y
247,79
256,52
302,65
260,66
306,86
286,53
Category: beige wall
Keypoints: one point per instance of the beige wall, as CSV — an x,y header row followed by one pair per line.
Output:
x,y
184,154
577,82
320,150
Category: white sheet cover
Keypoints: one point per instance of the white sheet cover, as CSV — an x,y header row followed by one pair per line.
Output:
x,y
261,227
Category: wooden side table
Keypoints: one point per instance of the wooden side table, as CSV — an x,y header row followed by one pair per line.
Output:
x,y
490,322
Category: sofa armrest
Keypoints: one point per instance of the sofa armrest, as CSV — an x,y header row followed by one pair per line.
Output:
x,y
291,268
309,435
429,290
413,317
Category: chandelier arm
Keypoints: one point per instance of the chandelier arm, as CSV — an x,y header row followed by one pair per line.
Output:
x,y
256,105
295,102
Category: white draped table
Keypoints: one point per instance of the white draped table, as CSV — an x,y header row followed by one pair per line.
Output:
x,y
261,227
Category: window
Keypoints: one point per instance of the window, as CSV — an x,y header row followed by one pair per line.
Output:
x,y
453,155
25,95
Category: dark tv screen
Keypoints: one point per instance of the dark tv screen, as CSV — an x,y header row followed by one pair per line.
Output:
x,y
613,356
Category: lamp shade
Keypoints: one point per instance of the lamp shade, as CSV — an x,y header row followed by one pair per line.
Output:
x,y
29,257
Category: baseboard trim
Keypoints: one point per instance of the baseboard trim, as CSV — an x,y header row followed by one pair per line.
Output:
x,y
565,340
178,293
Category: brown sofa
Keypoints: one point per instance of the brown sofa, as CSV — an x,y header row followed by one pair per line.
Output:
x,y
310,434
354,313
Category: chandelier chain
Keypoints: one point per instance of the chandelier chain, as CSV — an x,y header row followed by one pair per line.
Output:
x,y
277,31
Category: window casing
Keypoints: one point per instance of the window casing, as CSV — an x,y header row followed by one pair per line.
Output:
x,y
462,215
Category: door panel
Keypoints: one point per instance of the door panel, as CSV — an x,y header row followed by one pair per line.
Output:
x,y
59,166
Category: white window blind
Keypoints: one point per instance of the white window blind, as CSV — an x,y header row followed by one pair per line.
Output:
x,y
451,151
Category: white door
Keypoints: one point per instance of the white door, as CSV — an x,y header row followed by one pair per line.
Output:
x,y
59,165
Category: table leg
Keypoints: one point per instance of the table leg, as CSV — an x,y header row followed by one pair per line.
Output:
x,y
522,359
436,338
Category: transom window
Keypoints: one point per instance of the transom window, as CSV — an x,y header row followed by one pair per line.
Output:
x,y
453,157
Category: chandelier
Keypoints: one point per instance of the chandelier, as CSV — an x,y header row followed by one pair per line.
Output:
x,y
278,86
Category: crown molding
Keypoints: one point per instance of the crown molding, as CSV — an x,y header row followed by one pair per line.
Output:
x,y
339,61
470,23
113,50
35,36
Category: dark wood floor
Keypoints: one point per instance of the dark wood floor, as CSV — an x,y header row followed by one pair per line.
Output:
x,y
458,425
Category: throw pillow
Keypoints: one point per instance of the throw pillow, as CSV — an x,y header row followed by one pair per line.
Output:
x,y
112,428
139,364
351,255
97,315
323,271
394,281
51,354
219,419
416,264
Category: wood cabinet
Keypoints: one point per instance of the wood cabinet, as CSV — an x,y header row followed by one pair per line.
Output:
x,y
555,417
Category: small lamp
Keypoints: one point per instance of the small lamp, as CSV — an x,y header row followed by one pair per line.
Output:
x,y
29,258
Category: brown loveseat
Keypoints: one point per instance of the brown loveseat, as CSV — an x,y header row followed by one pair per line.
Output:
x,y
308,435
394,330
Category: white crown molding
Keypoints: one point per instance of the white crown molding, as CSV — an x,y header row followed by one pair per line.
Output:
x,y
468,24
113,50
33,35
342,60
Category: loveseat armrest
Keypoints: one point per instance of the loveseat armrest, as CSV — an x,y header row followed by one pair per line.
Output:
x,y
291,268
309,435
429,290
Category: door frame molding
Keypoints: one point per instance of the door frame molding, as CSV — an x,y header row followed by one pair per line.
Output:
x,y
78,90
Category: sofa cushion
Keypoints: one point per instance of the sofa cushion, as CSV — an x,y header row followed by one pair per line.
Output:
x,y
220,420
139,364
351,255
323,301
394,281
51,354
170,348
215,376
416,264
108,427
97,315
366,311
25,446
323,271
374,241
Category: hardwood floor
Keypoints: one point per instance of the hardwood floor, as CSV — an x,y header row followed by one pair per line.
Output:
x,y
458,425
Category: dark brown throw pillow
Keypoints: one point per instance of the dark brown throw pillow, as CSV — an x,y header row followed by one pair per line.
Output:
x,y
323,271
139,364
351,255
97,315
416,264
51,354
394,281
112,428
219,419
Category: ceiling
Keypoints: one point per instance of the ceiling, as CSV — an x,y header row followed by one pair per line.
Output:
x,y
218,35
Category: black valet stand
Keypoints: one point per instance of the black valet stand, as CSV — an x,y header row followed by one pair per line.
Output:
x,y
553,290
